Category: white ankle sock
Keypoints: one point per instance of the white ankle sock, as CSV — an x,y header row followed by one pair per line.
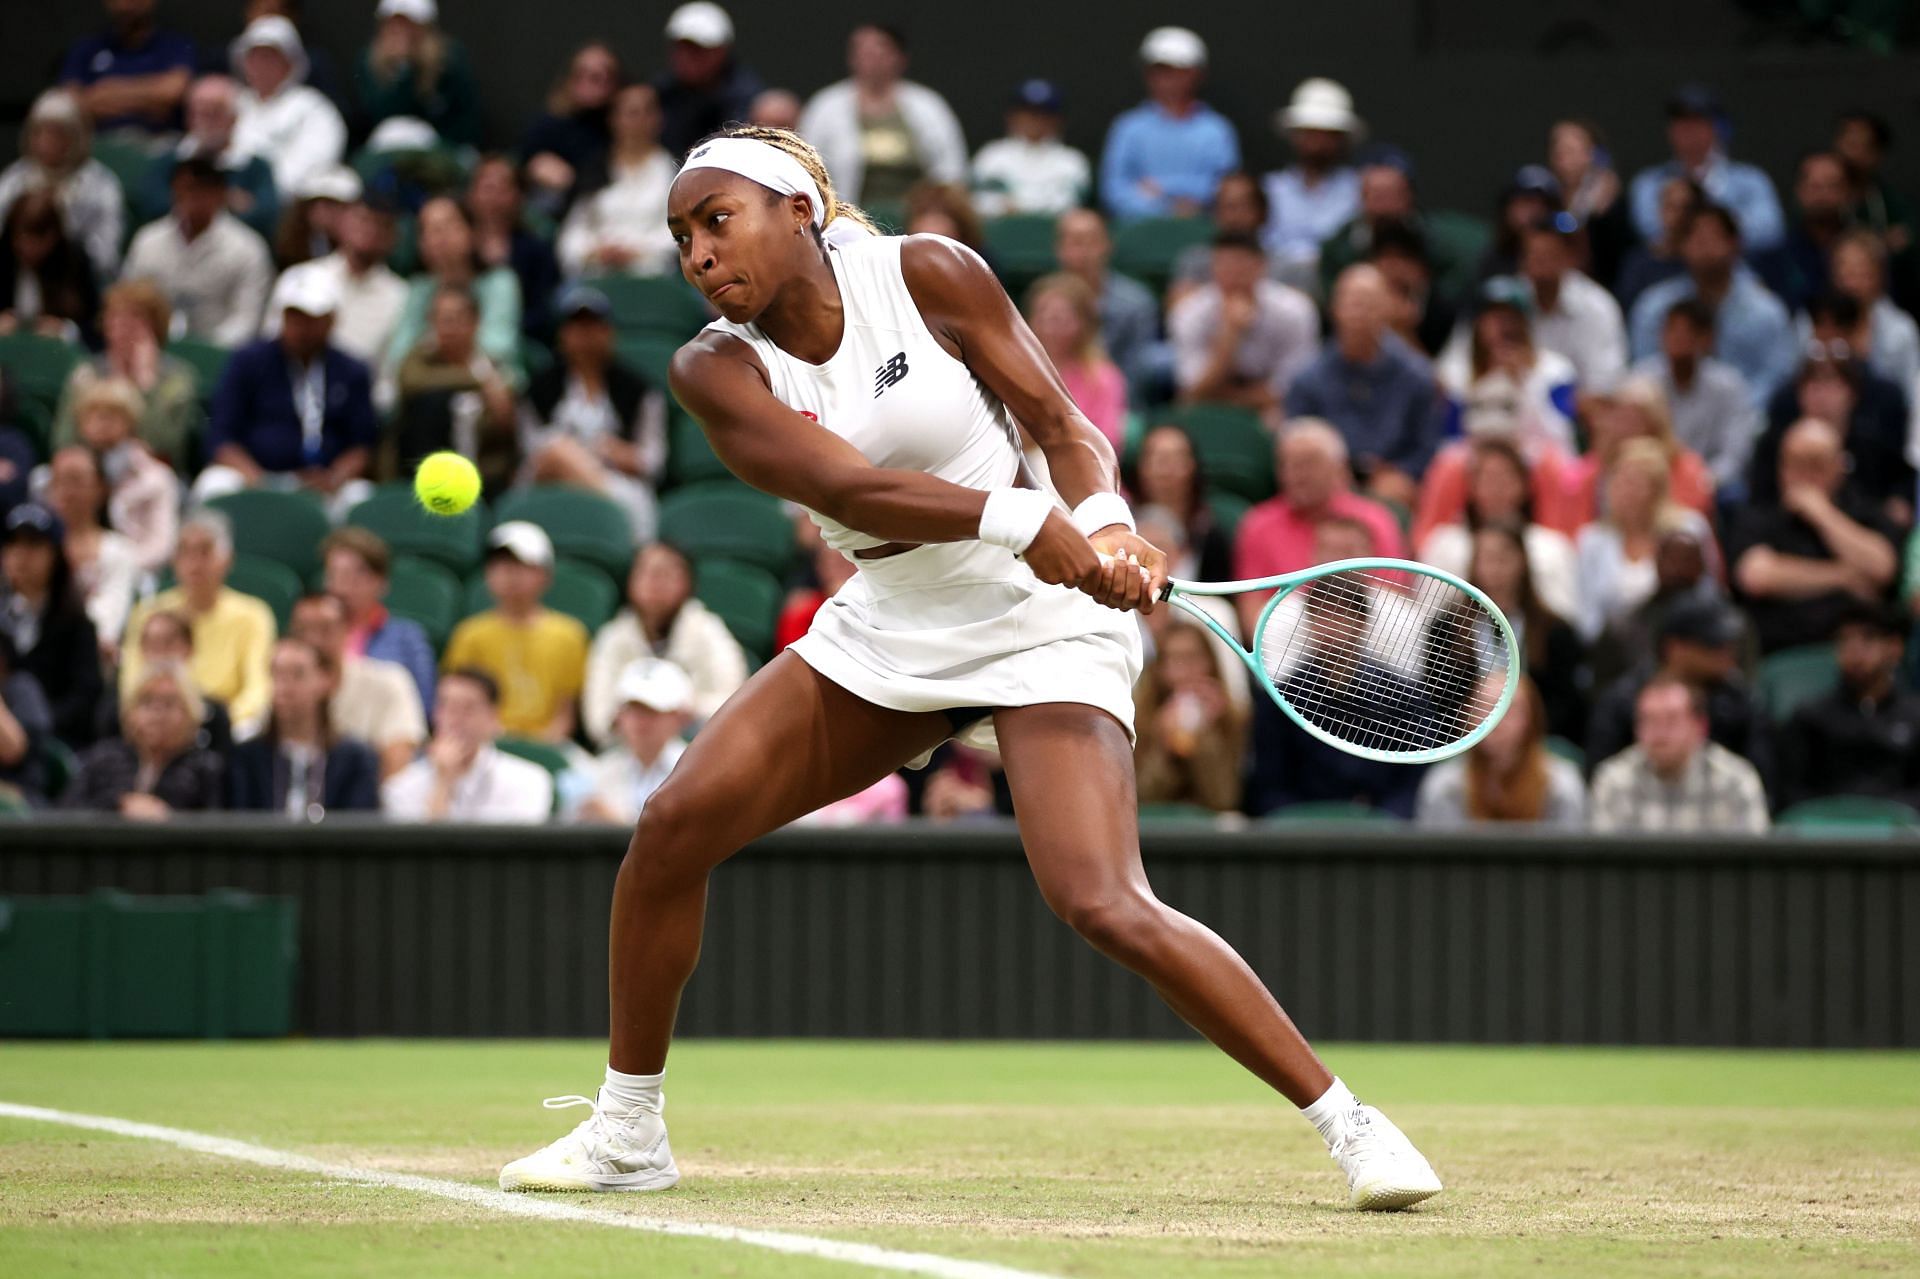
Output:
x,y
1328,1113
623,1092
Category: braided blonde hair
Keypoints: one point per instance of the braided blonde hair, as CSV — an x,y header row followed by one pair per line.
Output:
x,y
809,159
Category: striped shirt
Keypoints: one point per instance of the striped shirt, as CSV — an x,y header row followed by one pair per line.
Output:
x,y
1718,791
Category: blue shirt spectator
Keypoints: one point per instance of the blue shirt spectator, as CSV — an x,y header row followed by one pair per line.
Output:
x,y
133,75
1694,124
1319,192
1165,157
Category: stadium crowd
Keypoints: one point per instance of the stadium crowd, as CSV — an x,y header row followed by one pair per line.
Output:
x,y
1663,419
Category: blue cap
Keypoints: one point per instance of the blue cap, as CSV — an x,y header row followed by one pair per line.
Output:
x,y
582,299
1694,100
1535,179
33,519
1039,95
1387,156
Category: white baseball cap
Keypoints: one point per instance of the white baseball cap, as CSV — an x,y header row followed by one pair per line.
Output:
x,y
702,23
656,684
1173,47
338,183
424,12
309,288
1319,103
525,541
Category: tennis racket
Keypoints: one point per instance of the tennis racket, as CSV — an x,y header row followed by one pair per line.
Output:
x,y
1385,659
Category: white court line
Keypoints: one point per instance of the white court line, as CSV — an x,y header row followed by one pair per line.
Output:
x,y
520,1205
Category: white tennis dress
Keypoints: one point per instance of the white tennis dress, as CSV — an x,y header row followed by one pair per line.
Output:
x,y
950,624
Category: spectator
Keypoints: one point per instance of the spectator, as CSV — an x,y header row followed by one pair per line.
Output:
x,y
1752,328
301,766
26,723
42,613
1065,316
495,201
133,76
463,777
105,564
47,286
1387,199
1798,269
1861,139
705,85
449,257
293,411
662,619
1673,778
1417,313
455,396
1834,385
19,452
1713,411
1374,388
1502,383
1162,528
963,784
143,498
414,70
1243,338
878,131
1636,410
618,223
537,657
1167,475
213,112
1616,551
1657,260
213,269
1240,210
1510,776
356,568
1860,738
1890,338
310,228
55,159
1129,316
1496,492
1277,536
1165,157
158,768
281,118
368,296
1696,132
943,208
1572,316
323,73
1698,640
369,700
1683,573
776,109
1578,158
571,138
1497,563
1801,562
1191,735
1530,198
134,318
164,636
830,570
1031,170
655,707
232,633
592,422
1319,192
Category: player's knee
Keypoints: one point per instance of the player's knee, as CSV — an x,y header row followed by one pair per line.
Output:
x,y
1120,922
667,840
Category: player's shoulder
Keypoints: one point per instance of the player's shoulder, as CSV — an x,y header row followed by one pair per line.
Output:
x,y
940,269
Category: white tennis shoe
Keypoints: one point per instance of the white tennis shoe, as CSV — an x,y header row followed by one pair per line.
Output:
x,y
607,1152
1383,1169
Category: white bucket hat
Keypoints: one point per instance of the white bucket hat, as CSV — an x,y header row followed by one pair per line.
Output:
x,y
1320,103
270,32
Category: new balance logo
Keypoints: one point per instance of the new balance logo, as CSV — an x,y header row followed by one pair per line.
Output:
x,y
889,373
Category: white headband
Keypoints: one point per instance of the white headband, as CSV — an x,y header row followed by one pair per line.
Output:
x,y
760,162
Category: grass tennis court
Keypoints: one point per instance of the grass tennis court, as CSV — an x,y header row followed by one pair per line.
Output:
x,y
1085,1160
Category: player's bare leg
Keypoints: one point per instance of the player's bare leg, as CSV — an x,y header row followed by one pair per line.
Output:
x,y
1071,771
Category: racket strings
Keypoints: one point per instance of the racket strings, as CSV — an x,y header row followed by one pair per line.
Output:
x,y
1391,662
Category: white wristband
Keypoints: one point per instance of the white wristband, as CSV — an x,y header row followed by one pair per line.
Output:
x,y
1102,510
1012,517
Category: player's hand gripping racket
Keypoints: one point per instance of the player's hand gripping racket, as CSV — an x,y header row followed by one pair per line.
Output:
x,y
1385,659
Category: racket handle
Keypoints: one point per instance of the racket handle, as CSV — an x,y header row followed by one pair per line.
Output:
x,y
1166,588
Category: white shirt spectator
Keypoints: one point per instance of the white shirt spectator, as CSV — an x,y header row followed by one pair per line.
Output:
x,y
630,212
296,131
698,642
367,311
108,585
218,281
1613,586
90,203
1302,217
1550,560
1283,338
378,703
831,122
623,784
1012,175
1584,325
496,788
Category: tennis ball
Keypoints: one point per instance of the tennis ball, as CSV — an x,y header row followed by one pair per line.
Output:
x,y
446,483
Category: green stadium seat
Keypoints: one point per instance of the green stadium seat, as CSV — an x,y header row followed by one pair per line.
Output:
x,y
745,597
1332,810
1233,446
648,354
535,358
1176,812
1852,814
690,459
207,360
1792,677
1457,243
1228,510
39,366
1572,752
654,304
285,527
579,590
393,512
58,764
1020,246
582,524
545,754
1147,249
889,215
132,164
36,421
269,581
728,520
428,593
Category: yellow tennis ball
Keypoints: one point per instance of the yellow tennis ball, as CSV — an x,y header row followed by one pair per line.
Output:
x,y
446,483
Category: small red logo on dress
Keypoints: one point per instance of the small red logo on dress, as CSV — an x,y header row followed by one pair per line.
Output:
x,y
811,417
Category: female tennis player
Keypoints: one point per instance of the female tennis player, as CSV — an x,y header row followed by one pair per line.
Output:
x,y
875,381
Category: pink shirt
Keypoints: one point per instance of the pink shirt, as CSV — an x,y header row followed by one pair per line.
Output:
x,y
1100,389
1274,538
